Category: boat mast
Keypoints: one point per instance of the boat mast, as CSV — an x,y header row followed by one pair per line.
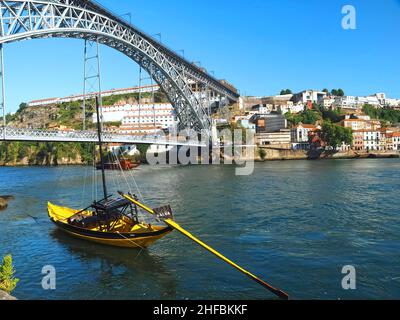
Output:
x,y
101,147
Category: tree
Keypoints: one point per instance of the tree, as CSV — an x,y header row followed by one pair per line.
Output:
x,y
331,115
23,106
310,117
7,280
325,90
387,115
335,135
143,148
306,117
337,92
262,153
286,91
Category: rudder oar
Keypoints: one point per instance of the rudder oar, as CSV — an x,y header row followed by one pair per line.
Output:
x,y
281,294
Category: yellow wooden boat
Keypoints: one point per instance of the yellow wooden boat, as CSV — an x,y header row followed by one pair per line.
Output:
x,y
111,222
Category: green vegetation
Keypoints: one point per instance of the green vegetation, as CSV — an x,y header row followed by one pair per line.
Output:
x,y
331,115
387,116
142,148
286,91
305,117
338,92
315,115
44,153
68,113
7,280
159,97
12,117
262,153
334,135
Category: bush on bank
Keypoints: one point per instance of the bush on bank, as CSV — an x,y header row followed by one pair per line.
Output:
x,y
7,280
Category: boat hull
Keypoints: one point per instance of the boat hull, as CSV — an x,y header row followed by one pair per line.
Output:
x,y
142,239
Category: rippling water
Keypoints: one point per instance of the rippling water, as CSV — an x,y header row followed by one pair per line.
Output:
x,y
296,224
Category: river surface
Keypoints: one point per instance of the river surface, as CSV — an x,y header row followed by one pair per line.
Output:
x,y
295,224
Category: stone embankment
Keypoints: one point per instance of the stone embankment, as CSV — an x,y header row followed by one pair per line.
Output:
x,y
284,154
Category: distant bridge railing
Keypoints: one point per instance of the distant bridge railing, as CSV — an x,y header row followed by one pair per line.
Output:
x,y
36,135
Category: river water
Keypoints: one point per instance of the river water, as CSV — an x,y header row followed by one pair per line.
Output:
x,y
295,224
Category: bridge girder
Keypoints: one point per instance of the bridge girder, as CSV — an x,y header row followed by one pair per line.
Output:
x,y
36,135
30,19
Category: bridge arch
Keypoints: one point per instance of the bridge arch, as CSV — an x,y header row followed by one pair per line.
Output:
x,y
30,19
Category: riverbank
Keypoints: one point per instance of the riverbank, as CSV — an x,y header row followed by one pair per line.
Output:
x,y
269,154
6,296
274,154
28,164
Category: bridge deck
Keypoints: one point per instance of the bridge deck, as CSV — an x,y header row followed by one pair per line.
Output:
x,y
34,135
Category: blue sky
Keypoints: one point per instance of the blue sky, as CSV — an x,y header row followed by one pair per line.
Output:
x,y
260,46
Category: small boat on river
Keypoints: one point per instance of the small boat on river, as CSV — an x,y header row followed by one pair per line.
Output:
x,y
121,164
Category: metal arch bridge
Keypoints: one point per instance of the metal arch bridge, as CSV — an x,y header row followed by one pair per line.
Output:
x,y
34,135
85,19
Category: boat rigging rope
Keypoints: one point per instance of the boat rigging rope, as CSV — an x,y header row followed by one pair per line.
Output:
x,y
136,244
84,183
145,217
94,191
134,181
117,161
113,176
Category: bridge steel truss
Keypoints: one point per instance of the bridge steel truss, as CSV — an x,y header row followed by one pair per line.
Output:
x,y
36,135
84,19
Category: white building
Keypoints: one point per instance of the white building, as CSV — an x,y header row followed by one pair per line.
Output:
x,y
392,102
260,109
371,100
107,93
361,124
281,139
141,118
371,139
396,141
307,96
351,102
300,133
159,113
327,102
346,102
385,101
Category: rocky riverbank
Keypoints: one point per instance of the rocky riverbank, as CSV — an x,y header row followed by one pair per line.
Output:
x,y
6,296
44,154
25,162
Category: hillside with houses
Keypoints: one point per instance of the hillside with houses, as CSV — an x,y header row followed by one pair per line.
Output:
x,y
323,120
